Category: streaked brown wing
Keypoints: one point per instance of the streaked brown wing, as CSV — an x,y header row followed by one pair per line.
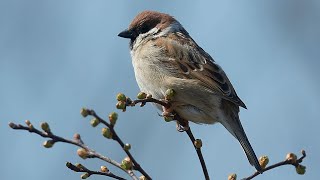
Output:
x,y
195,63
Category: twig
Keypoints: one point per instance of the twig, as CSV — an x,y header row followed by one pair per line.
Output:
x,y
76,168
293,162
182,122
77,142
120,142
203,164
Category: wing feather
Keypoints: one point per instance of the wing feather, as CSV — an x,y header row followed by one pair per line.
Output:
x,y
195,63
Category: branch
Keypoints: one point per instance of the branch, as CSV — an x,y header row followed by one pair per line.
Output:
x,y
291,159
84,151
115,137
182,125
88,172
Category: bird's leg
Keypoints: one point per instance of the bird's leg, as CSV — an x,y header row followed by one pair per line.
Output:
x,y
167,111
182,124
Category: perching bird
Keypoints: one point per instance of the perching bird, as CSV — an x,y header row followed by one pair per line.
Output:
x,y
164,56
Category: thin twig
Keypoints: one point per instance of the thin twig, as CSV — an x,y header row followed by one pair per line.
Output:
x,y
182,122
282,163
90,172
120,142
203,164
91,153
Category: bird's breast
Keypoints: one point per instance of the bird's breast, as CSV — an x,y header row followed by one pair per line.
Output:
x,y
149,75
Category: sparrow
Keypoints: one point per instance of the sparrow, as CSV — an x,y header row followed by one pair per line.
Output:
x,y
164,56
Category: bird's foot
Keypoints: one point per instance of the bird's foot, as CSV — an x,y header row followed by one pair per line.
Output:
x,y
182,125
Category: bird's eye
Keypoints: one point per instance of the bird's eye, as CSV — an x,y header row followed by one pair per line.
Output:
x,y
144,29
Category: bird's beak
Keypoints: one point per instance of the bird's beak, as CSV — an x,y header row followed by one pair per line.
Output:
x,y
126,34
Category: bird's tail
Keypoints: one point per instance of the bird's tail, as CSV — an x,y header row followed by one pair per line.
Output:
x,y
233,125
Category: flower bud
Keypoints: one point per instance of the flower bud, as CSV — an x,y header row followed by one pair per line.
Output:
x,y
31,126
263,161
79,166
232,177
121,105
127,147
121,97
69,165
149,96
104,169
12,125
76,136
45,127
113,118
142,177
28,123
85,176
48,143
168,118
82,153
84,112
291,157
94,122
169,94
300,169
106,133
141,95
198,143
126,163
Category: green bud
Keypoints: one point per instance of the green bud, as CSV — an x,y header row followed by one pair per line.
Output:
x,y
121,97
106,133
300,169
104,169
45,127
84,112
169,94
85,176
48,143
121,105
82,153
127,147
113,118
263,161
198,143
126,163
141,95
79,166
291,157
168,118
28,123
94,122
232,177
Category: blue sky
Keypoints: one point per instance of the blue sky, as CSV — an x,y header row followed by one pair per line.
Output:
x,y
59,56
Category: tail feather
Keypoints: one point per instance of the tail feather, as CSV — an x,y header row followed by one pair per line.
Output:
x,y
232,123
244,142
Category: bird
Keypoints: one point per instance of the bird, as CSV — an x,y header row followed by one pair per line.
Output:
x,y
164,56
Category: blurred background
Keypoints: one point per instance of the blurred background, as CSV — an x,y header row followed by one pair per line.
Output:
x,y
58,56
